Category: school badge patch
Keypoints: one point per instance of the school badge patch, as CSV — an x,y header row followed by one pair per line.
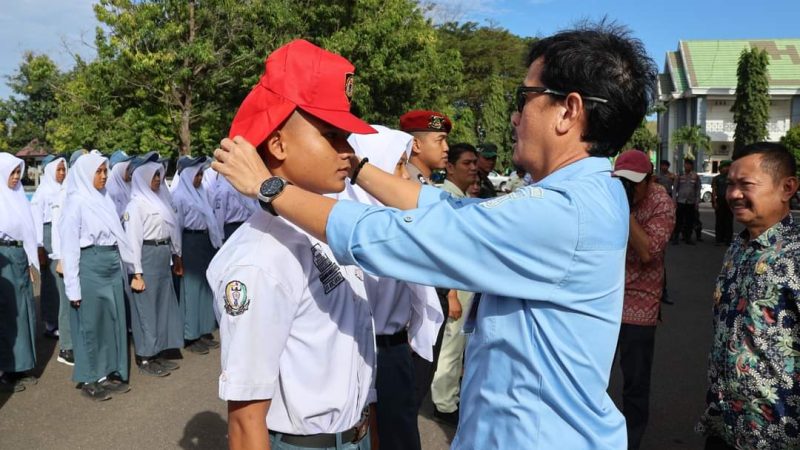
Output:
x,y
236,301
349,81
126,217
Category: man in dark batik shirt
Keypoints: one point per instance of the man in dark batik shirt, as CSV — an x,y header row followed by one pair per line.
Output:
x,y
753,399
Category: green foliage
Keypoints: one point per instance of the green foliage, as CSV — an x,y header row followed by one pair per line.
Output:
x,y
792,141
751,107
692,136
642,138
33,104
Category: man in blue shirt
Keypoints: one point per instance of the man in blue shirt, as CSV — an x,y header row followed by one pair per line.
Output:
x,y
545,329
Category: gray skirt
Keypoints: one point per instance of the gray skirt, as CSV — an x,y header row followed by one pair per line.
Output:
x,y
99,330
196,298
52,284
156,319
17,312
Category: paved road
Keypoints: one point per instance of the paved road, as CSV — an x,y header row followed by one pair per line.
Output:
x,y
182,411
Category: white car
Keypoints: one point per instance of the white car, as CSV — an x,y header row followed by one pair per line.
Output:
x,y
499,181
705,186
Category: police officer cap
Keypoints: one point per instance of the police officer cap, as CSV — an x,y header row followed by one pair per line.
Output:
x,y
141,160
77,154
424,120
119,156
487,150
50,158
187,161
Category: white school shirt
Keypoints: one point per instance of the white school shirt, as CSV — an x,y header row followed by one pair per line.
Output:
x,y
295,328
42,204
56,208
76,233
143,224
229,205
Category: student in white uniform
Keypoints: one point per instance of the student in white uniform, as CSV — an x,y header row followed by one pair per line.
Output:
x,y
42,203
297,339
230,207
19,257
119,180
153,230
407,316
201,235
93,247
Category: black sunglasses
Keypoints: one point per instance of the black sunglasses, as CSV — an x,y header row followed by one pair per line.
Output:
x,y
523,91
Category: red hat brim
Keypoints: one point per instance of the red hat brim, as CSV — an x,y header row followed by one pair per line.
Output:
x,y
341,119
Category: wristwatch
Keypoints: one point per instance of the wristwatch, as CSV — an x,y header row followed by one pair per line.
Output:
x,y
270,189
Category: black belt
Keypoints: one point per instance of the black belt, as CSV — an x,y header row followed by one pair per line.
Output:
x,y
11,243
390,340
188,231
235,223
101,247
323,440
156,241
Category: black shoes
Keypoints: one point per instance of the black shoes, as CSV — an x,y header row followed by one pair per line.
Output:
x,y
114,386
152,368
66,357
167,364
450,418
9,384
208,340
198,347
51,333
95,391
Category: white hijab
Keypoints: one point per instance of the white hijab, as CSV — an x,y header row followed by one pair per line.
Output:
x,y
384,149
102,212
197,198
49,187
160,202
16,219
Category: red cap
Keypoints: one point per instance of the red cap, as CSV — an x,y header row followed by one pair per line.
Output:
x,y
633,165
423,120
299,75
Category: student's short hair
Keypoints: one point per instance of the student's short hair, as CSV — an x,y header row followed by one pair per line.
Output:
x,y
601,60
456,150
776,159
688,161
664,162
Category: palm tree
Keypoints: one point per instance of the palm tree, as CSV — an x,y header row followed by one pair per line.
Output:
x,y
694,137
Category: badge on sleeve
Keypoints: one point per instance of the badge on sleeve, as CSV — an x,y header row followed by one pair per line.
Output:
x,y
126,217
236,301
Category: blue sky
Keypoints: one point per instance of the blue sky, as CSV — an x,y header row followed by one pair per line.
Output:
x,y
61,27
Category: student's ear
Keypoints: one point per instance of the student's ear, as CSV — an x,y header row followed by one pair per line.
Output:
x,y
274,146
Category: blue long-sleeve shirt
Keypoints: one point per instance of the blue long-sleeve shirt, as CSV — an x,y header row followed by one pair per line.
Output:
x,y
550,260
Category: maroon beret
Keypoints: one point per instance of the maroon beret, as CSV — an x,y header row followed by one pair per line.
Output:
x,y
423,120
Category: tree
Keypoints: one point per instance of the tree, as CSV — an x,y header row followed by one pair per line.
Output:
x,y
792,141
694,137
33,104
751,107
642,138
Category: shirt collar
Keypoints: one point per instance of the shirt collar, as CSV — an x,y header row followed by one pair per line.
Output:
x,y
769,237
585,166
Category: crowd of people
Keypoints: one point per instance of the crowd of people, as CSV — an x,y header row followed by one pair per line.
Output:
x,y
348,286
118,252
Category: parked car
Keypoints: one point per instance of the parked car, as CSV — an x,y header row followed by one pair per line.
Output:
x,y
499,181
705,186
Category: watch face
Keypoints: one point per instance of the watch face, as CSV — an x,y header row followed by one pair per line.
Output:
x,y
271,187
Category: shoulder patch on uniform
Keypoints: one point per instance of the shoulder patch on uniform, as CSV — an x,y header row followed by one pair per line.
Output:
x,y
236,301
329,273
126,217
530,192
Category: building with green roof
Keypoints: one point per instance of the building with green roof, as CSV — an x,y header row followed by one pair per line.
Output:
x,y
698,87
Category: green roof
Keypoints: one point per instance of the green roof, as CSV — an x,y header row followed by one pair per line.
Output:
x,y
712,64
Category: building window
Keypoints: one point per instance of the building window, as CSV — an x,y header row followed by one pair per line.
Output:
x,y
720,103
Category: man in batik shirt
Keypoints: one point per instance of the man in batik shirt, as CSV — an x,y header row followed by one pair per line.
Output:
x,y
753,399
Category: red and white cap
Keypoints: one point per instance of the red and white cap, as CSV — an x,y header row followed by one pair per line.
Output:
x,y
633,165
299,75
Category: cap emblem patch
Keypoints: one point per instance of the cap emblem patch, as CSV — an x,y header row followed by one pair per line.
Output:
x,y
349,81
436,123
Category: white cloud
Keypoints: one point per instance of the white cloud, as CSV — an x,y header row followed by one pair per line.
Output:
x,y
44,26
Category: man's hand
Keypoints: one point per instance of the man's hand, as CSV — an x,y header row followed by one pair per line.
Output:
x,y
453,305
177,265
137,283
239,162
373,427
59,268
75,303
42,258
32,273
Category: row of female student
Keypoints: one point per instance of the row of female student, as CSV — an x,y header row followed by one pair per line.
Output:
x,y
117,271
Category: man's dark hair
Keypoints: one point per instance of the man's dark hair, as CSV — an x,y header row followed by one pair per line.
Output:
x,y
689,161
601,60
456,150
664,162
776,159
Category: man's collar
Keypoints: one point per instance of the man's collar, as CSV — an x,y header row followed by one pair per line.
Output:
x,y
771,234
587,165
447,182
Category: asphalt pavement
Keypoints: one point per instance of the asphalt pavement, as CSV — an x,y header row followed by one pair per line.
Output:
x,y
182,411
